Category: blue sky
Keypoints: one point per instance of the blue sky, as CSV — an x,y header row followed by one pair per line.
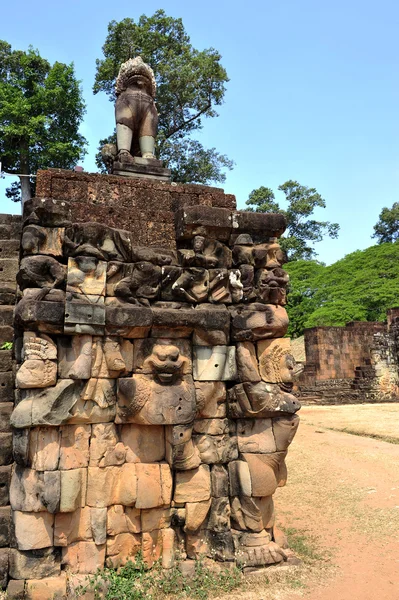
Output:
x,y
313,92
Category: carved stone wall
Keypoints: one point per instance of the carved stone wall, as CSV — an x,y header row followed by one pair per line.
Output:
x,y
153,408
355,363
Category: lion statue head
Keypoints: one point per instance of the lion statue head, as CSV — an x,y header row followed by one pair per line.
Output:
x,y
135,67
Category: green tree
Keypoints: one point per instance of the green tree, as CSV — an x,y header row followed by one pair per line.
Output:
x,y
190,84
301,302
387,228
359,287
302,230
41,108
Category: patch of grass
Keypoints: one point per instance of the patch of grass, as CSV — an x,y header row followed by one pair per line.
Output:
x,y
374,436
135,581
303,545
6,346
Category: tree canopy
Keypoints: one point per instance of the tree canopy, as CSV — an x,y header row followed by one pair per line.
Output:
x,y
302,231
41,108
190,84
387,227
359,287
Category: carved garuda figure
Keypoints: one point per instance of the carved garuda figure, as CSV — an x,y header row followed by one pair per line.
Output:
x,y
135,113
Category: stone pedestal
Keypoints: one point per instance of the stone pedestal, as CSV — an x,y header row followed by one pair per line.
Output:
x,y
142,168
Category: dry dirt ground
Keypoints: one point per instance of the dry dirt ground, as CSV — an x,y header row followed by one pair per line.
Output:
x,y
343,496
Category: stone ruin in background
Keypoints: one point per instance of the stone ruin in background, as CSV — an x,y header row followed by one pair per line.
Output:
x,y
153,405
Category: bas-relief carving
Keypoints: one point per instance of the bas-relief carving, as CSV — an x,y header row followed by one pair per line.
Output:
x,y
169,373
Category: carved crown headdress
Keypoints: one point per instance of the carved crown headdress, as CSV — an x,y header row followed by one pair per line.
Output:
x,y
134,66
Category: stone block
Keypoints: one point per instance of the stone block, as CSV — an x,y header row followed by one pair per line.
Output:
x,y
276,364
45,316
258,322
284,430
166,483
44,448
215,363
185,285
6,335
16,589
215,449
122,548
219,481
9,248
196,513
73,489
29,490
50,588
112,357
260,400
6,387
239,478
47,212
6,315
98,521
85,317
8,268
180,451
141,399
125,519
128,321
34,564
5,519
261,226
151,547
41,271
247,363
86,275
193,485
267,472
42,240
33,531
219,516
154,519
112,485
5,360
74,356
20,447
144,443
6,409
74,448
6,455
245,514
214,426
5,476
210,399
72,527
211,327
255,435
49,406
104,438
4,567
215,223
149,487
84,557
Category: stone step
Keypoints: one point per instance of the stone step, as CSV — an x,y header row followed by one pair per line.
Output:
x,y
8,269
6,334
6,315
9,248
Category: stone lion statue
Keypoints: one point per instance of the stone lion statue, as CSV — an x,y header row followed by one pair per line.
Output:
x,y
135,113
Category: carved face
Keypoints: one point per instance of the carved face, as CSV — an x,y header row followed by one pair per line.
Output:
x,y
198,243
287,365
166,363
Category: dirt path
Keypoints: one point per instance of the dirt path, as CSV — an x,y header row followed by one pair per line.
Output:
x,y
344,489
